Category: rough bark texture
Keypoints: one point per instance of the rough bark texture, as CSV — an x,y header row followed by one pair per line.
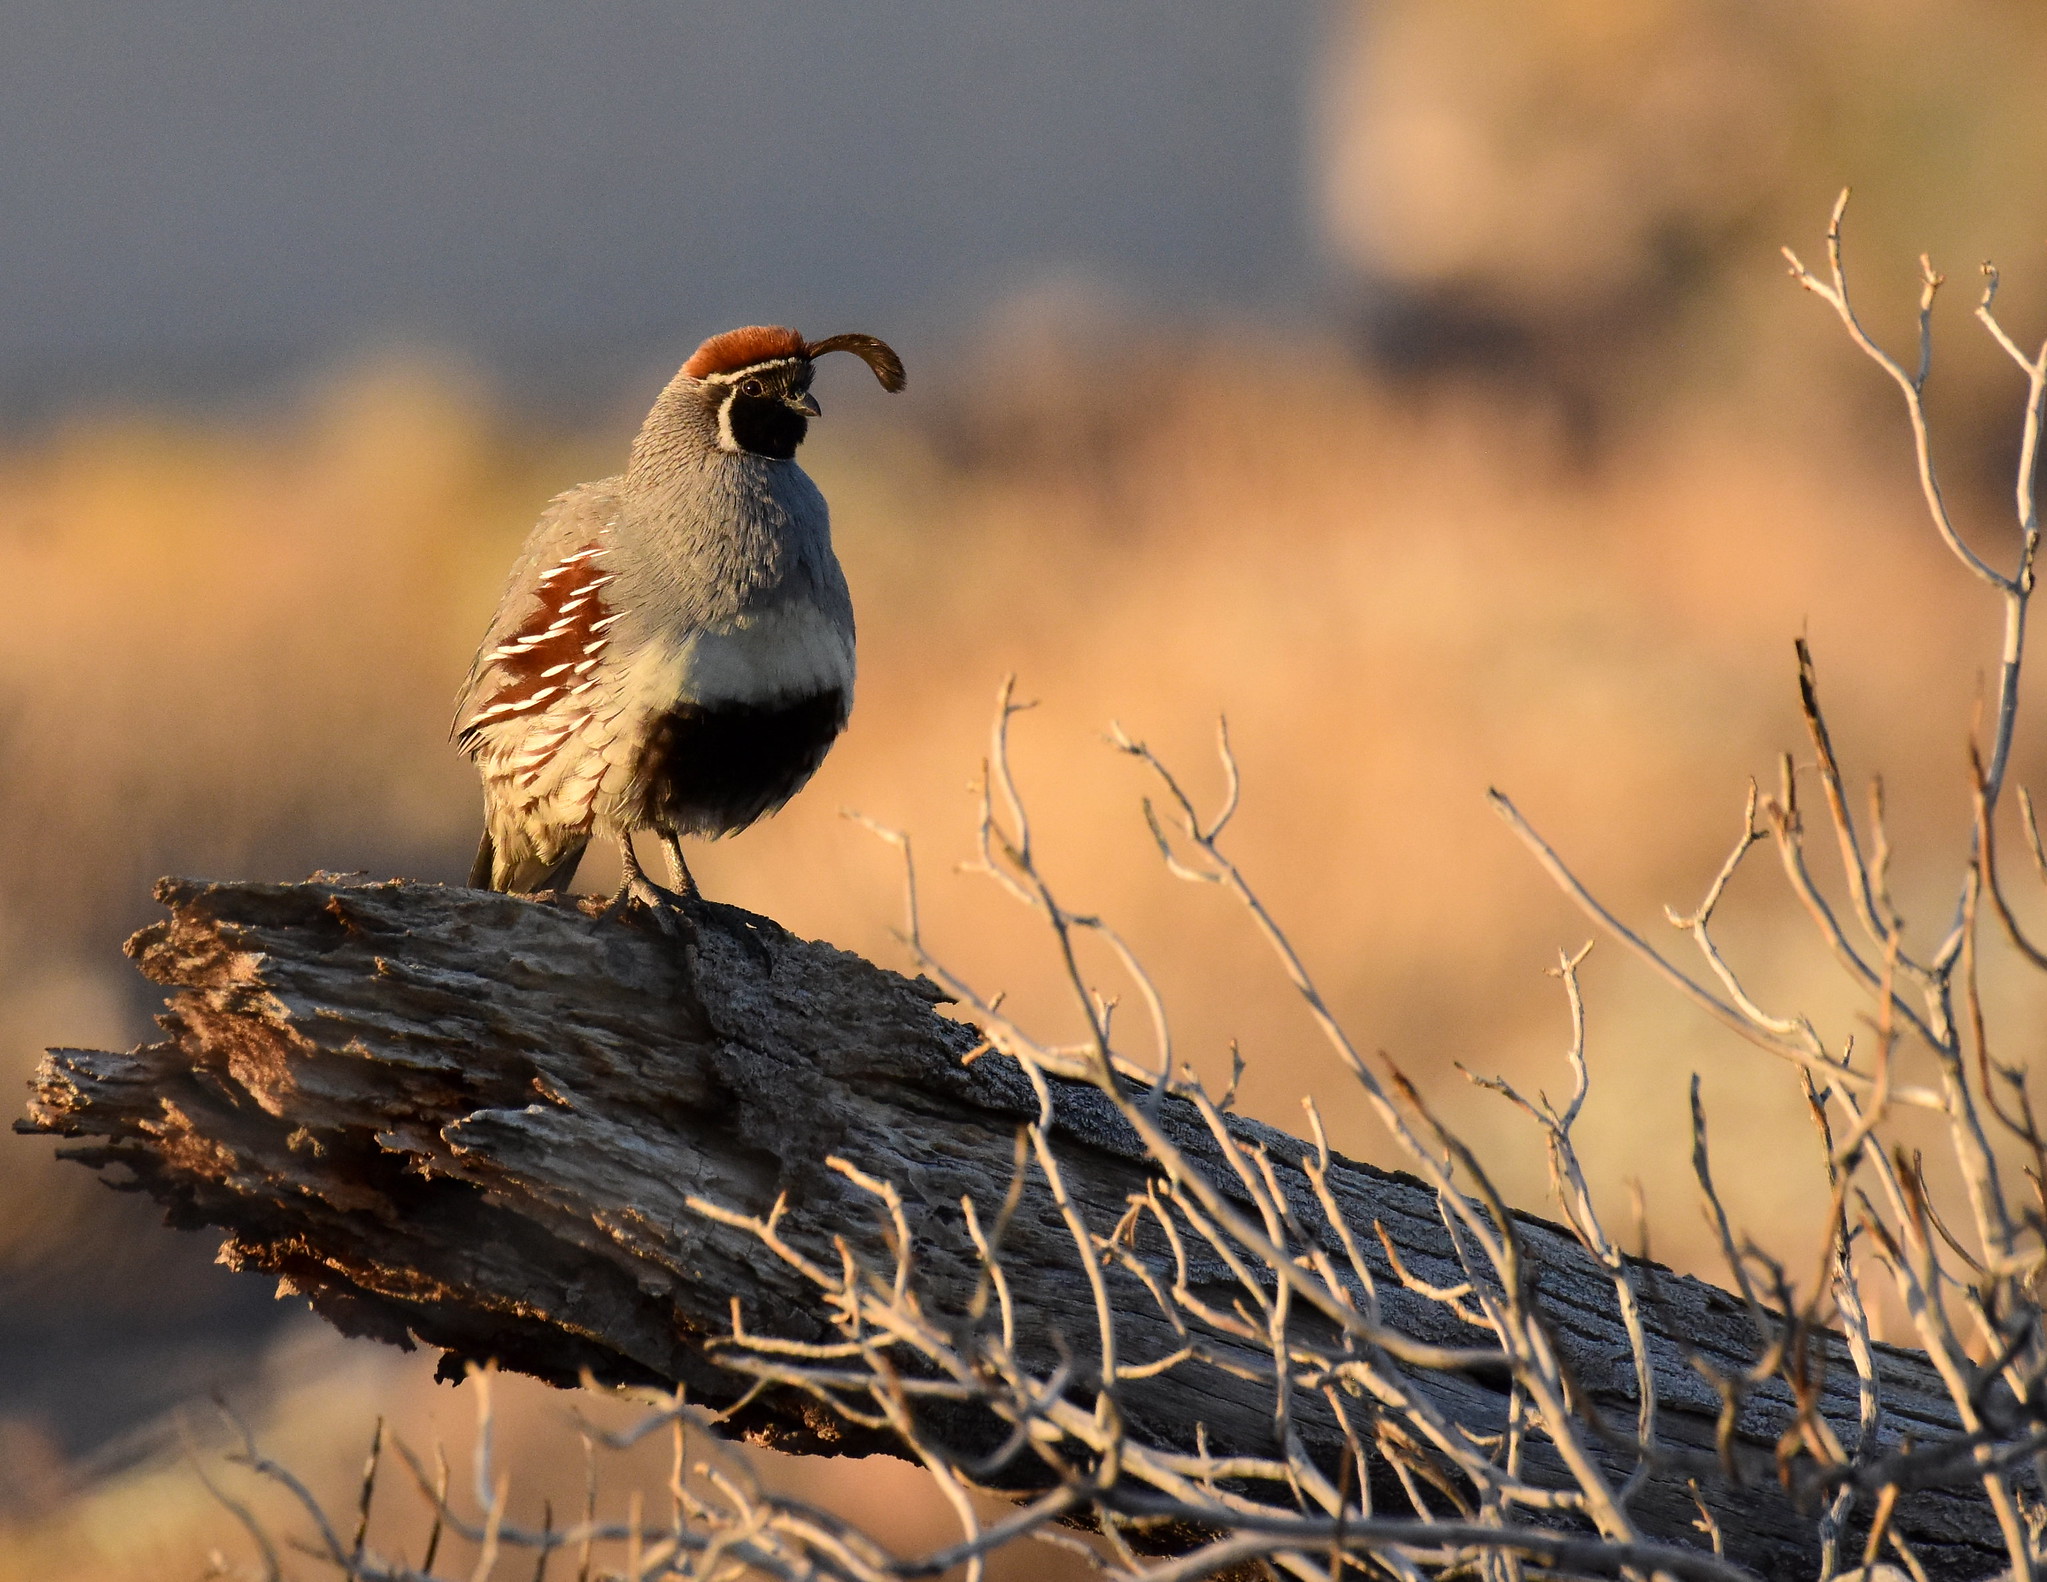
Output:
x,y
472,1121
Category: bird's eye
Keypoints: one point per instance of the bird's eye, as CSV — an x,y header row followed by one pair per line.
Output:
x,y
752,387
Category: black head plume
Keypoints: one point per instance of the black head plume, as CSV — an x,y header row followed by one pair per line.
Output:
x,y
877,354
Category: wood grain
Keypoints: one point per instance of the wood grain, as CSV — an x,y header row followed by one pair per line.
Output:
x,y
473,1121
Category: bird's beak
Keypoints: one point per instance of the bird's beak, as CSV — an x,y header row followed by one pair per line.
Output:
x,y
806,403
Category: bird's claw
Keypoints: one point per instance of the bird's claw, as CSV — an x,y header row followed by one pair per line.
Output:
x,y
673,914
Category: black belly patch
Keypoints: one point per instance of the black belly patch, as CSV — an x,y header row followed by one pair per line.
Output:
x,y
714,769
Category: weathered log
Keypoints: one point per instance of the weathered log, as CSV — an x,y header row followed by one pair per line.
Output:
x,y
474,1121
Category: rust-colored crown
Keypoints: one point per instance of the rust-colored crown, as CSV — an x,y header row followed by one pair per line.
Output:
x,y
760,343
742,348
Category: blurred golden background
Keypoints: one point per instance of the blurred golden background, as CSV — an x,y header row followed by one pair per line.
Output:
x,y
1533,489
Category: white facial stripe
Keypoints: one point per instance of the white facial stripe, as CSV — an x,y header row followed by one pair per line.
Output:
x,y
750,369
725,438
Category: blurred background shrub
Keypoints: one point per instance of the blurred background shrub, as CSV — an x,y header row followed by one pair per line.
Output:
x,y
1414,382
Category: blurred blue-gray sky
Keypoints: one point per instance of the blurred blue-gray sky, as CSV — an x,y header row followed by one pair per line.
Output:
x,y
204,193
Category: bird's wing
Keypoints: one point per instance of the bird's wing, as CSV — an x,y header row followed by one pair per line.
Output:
x,y
572,523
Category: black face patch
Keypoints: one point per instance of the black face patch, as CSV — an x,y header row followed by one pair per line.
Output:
x,y
766,425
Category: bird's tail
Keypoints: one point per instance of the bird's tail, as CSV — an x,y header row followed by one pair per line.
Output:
x,y
526,874
486,858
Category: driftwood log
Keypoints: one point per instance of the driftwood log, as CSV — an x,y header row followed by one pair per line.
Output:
x,y
473,1121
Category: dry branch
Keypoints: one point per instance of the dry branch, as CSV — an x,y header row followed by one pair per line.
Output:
x,y
514,1131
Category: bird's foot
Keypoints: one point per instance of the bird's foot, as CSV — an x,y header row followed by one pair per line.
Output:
x,y
674,914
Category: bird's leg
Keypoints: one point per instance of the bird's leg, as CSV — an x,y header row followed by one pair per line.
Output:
x,y
678,869
665,905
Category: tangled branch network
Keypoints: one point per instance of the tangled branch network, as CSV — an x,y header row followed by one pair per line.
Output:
x,y
1287,1287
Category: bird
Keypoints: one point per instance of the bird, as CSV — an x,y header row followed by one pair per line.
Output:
x,y
674,650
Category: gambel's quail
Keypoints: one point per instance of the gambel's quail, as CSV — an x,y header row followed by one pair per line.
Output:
x,y
674,651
